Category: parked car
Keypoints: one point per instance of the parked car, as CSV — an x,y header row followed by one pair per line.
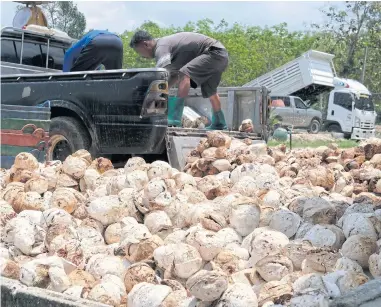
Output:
x,y
293,111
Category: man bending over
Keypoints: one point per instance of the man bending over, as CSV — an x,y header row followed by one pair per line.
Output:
x,y
192,59
94,49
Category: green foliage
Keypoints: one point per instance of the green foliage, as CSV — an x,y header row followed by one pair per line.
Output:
x,y
342,143
64,15
347,33
273,119
254,50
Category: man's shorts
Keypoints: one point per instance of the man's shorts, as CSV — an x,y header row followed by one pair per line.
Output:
x,y
103,49
206,70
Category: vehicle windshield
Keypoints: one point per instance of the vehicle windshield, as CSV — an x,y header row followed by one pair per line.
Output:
x,y
364,102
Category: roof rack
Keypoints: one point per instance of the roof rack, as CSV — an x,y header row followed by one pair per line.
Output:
x,y
31,31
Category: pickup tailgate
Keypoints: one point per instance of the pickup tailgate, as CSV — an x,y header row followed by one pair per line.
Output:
x,y
24,129
181,141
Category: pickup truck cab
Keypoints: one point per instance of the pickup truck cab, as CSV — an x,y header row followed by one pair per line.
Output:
x,y
26,51
293,111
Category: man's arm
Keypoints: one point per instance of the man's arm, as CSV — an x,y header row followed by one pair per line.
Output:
x,y
163,58
173,80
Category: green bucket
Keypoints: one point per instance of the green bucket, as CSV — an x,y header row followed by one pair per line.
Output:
x,y
280,134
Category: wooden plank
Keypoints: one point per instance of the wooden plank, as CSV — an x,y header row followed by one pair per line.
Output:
x,y
17,107
19,124
7,161
25,114
37,133
7,150
19,139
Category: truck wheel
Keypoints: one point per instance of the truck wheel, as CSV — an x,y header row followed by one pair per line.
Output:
x,y
314,126
334,128
67,135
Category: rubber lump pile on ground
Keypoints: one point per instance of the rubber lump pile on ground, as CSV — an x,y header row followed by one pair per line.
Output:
x,y
244,225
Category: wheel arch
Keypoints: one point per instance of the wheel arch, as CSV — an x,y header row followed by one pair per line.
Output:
x,y
334,123
320,120
310,125
66,108
329,123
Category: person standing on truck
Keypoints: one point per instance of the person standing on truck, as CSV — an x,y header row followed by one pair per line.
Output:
x,y
192,59
94,49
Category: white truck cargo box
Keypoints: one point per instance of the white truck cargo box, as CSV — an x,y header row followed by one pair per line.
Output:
x,y
312,72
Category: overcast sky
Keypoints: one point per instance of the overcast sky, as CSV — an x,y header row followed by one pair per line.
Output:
x,y
119,16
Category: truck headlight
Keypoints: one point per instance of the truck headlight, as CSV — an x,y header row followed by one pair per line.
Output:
x,y
357,122
155,102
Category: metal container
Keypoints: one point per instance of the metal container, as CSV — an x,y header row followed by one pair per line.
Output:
x,y
237,103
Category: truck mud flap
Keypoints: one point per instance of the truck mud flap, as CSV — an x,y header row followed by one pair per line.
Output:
x,y
181,141
24,129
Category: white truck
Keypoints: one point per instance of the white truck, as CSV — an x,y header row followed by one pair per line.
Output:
x,y
350,109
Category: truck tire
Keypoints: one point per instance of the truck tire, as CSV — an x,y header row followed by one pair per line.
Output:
x,y
315,126
67,135
334,128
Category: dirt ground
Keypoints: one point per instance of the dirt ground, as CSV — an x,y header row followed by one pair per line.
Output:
x,y
378,130
306,137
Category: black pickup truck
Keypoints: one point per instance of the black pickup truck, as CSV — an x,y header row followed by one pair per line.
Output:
x,y
114,113
106,112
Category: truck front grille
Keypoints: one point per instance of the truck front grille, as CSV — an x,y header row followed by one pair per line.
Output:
x,y
367,125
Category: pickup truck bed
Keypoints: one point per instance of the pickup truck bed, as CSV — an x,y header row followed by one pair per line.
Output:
x,y
180,141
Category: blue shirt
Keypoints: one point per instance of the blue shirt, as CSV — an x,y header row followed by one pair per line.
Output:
x,y
73,52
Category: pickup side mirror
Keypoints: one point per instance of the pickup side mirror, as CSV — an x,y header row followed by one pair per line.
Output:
x,y
307,103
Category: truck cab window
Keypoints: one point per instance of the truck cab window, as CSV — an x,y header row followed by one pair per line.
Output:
x,y
275,100
31,54
56,56
343,100
364,102
8,51
299,104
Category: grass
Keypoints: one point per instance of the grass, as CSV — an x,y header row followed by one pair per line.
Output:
x,y
314,144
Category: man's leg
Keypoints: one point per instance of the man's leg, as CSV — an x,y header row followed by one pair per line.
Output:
x,y
176,107
215,102
206,70
209,89
184,86
89,59
113,51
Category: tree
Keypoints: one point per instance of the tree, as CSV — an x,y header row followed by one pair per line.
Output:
x,y
64,15
350,32
252,50
255,50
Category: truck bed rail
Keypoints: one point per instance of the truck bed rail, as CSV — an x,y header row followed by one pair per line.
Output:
x,y
202,133
78,75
